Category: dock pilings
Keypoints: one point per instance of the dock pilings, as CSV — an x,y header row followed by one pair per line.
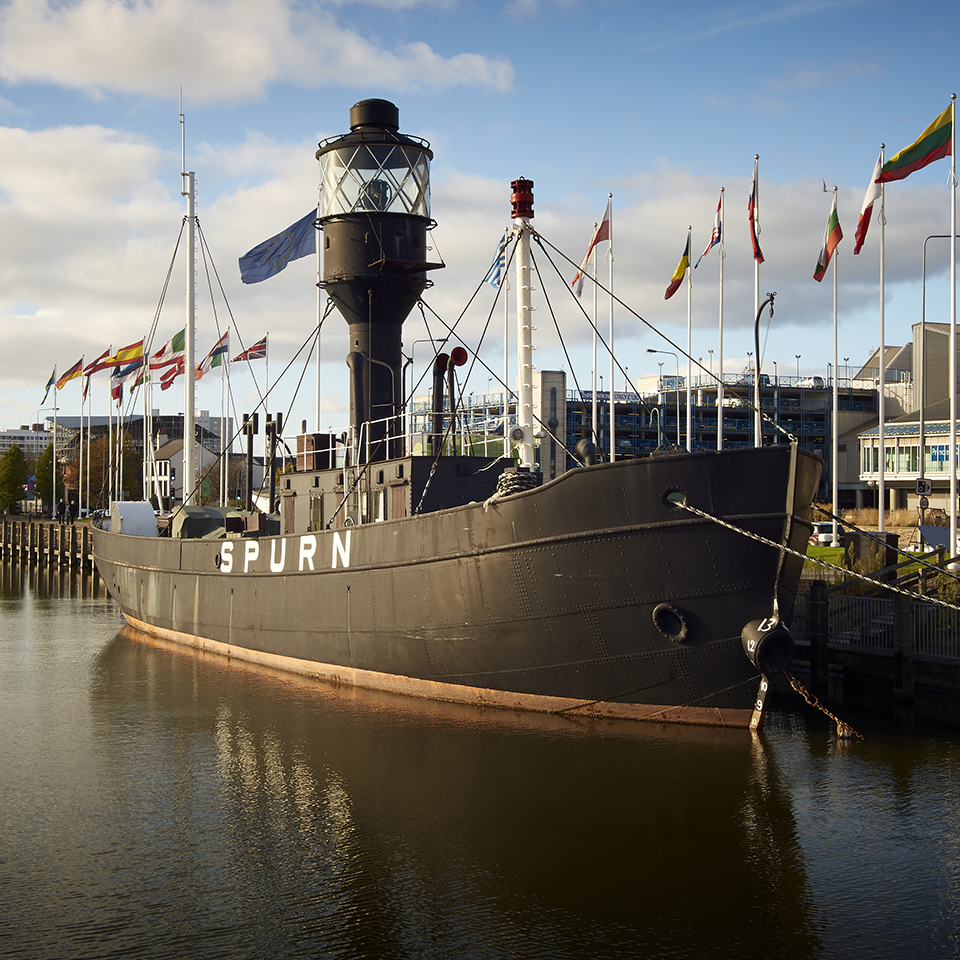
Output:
x,y
65,544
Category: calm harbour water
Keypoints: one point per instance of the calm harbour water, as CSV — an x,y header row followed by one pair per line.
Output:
x,y
158,802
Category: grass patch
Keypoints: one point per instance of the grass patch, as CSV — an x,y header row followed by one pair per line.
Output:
x,y
831,555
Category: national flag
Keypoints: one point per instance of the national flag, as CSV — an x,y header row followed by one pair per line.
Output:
x,y
680,272
131,370
172,351
121,375
495,273
272,256
753,212
866,210
52,382
934,143
171,373
599,235
716,236
99,364
257,352
75,371
215,357
125,355
832,235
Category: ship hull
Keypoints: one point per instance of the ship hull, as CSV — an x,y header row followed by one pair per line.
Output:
x,y
594,593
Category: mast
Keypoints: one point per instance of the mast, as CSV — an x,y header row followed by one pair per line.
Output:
x,y
521,202
189,362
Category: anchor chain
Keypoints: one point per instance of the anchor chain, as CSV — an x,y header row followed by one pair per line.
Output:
x,y
844,730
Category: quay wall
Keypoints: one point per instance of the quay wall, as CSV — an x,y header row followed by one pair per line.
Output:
x,y
854,646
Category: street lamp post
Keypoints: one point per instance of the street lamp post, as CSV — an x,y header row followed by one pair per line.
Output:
x,y
676,385
758,421
776,400
797,355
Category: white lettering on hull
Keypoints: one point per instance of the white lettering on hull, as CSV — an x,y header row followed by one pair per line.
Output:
x,y
307,551
340,549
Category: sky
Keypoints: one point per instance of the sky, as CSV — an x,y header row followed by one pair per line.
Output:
x,y
660,105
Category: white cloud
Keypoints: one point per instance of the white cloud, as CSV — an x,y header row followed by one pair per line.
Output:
x,y
91,216
814,76
220,50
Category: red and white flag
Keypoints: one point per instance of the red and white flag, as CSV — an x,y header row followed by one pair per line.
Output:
x,y
866,211
716,236
753,212
599,235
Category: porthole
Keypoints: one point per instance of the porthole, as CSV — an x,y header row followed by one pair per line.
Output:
x,y
670,621
675,499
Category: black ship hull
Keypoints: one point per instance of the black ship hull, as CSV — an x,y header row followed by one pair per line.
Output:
x,y
595,593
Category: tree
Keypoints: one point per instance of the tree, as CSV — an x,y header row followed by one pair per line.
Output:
x,y
98,468
13,477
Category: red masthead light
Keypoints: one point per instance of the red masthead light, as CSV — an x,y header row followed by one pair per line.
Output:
x,y
521,199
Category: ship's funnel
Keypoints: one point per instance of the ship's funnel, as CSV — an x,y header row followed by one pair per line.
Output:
x,y
375,213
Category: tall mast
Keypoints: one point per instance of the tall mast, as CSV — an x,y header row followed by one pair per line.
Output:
x,y
521,202
189,361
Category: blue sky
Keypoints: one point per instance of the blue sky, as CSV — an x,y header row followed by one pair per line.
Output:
x,y
661,105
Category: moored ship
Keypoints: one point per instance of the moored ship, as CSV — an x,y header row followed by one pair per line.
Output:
x,y
416,566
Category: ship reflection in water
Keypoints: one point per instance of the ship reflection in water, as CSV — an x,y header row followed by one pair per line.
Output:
x,y
162,802
357,820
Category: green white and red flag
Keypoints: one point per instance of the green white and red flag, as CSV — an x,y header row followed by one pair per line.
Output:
x,y
832,235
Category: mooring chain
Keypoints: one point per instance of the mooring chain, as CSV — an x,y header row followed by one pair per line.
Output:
x,y
844,730
821,563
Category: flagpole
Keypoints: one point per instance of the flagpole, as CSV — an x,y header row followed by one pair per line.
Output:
x,y
689,343
110,437
595,433
319,311
953,325
756,289
80,474
506,368
190,363
89,404
224,366
720,343
146,464
53,502
835,453
881,404
613,431
266,406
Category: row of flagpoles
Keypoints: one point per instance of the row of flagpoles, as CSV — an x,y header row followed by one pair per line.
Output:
x,y
127,364
936,142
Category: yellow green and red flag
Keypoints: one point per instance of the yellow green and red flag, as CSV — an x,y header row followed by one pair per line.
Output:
x,y
935,142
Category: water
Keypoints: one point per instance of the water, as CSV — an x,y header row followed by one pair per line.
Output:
x,y
158,802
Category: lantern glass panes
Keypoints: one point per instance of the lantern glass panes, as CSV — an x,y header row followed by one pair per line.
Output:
x,y
375,178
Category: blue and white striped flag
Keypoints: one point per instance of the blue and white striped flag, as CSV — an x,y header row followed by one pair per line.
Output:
x,y
495,273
